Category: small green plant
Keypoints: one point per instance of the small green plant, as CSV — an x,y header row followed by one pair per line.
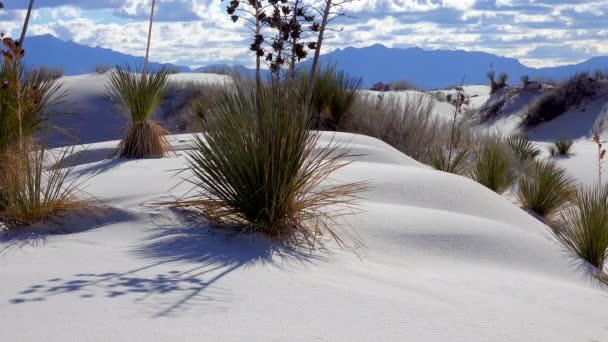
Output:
x,y
494,167
502,80
546,190
256,168
522,147
561,147
583,228
525,81
139,96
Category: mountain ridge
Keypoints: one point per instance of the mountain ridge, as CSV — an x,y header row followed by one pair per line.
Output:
x,y
428,69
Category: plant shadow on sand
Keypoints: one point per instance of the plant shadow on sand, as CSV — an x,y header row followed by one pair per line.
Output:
x,y
71,223
183,264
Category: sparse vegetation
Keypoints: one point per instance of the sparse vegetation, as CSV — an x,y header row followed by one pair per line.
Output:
x,y
50,73
29,191
402,85
558,100
139,96
102,69
583,228
497,85
407,125
561,147
256,168
494,167
546,189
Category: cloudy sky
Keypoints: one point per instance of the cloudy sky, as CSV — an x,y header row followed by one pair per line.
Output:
x,y
199,32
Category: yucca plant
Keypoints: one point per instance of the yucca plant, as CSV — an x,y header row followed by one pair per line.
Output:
x,y
258,168
334,93
561,147
494,167
33,191
583,228
522,147
546,190
139,96
439,159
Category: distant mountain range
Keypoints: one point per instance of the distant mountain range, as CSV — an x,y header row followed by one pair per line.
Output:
x,y
376,63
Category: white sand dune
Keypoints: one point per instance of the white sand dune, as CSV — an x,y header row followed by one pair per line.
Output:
x,y
444,260
91,118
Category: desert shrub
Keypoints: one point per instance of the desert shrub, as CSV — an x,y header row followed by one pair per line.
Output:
x,y
583,228
561,147
494,166
546,189
408,125
441,160
139,96
553,103
50,73
402,85
333,95
102,69
32,190
257,168
496,85
522,147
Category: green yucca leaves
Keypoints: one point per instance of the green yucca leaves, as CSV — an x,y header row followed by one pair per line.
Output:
x,y
583,228
522,147
493,167
139,96
136,95
439,159
257,167
334,93
546,190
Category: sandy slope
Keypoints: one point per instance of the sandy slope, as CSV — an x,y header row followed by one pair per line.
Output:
x,y
445,260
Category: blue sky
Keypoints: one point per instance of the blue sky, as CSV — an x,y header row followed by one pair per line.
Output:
x,y
199,32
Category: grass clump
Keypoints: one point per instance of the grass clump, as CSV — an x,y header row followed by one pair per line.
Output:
x,y
570,93
442,161
494,167
257,168
546,190
561,147
523,148
36,188
583,228
139,96
333,95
